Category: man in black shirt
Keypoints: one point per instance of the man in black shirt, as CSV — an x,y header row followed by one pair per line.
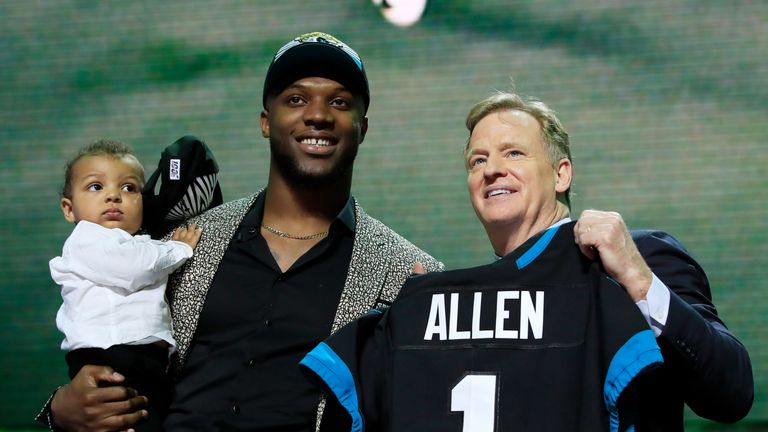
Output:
x,y
274,273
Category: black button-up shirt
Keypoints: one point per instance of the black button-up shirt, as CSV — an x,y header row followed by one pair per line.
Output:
x,y
257,323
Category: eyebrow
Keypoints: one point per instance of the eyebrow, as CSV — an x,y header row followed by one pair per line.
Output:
x,y
335,89
507,144
472,152
504,145
97,175
89,175
338,88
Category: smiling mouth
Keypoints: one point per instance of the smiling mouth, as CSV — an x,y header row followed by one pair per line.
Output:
x,y
319,142
497,192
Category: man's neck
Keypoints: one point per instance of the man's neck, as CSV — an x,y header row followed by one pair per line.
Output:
x,y
508,237
300,208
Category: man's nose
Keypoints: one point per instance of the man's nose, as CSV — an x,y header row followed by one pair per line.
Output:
x,y
494,167
318,113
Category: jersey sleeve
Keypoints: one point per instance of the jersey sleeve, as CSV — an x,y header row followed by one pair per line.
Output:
x,y
630,347
348,367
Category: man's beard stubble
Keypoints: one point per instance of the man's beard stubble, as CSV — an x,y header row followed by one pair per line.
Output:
x,y
295,175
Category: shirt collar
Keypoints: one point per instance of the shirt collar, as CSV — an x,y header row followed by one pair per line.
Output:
x,y
346,216
562,221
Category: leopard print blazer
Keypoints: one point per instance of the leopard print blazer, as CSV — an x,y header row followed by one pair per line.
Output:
x,y
381,261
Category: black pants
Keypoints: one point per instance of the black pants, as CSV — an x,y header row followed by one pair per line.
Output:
x,y
144,368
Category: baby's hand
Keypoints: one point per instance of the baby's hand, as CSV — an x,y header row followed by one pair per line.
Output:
x,y
189,234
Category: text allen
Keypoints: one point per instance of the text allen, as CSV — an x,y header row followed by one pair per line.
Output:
x,y
443,322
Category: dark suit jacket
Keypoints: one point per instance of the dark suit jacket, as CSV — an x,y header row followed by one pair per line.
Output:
x,y
705,366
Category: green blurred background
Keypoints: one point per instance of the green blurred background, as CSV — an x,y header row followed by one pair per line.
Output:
x,y
665,101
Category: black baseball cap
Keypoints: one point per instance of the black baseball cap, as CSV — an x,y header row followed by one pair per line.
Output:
x,y
316,54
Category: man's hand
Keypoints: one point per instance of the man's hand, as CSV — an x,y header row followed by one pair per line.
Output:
x,y
605,234
418,268
82,405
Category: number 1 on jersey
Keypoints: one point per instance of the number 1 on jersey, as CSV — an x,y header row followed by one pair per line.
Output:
x,y
475,395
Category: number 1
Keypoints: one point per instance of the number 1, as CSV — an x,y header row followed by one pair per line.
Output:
x,y
475,395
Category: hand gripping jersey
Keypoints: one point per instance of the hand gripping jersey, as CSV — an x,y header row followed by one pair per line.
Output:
x,y
540,340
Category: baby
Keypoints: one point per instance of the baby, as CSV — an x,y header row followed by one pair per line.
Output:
x,y
113,281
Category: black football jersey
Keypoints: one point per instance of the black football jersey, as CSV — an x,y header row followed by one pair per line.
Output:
x,y
540,340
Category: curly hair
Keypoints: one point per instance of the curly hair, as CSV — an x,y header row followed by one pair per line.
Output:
x,y
102,147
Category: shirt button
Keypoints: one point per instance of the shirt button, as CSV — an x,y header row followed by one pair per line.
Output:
x,y
235,408
252,230
268,323
251,363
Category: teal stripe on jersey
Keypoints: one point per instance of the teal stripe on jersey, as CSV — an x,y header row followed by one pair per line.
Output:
x,y
324,362
537,248
638,353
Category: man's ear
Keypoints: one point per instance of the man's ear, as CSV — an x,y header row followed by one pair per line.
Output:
x,y
363,129
564,175
66,208
264,120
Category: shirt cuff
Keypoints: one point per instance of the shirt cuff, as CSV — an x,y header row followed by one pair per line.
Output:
x,y
183,250
655,307
45,416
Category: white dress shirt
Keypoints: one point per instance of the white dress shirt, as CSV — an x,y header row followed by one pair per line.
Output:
x,y
113,287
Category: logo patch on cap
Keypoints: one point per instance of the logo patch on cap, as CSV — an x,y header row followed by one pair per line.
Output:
x,y
175,169
320,37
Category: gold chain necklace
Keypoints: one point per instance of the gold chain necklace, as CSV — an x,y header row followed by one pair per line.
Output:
x,y
284,234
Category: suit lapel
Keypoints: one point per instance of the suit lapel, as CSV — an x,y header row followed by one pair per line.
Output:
x,y
367,270
189,287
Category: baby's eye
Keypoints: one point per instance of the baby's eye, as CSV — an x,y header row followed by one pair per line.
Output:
x,y
94,187
130,188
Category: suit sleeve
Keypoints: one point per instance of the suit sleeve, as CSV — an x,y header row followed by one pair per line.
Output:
x,y
713,365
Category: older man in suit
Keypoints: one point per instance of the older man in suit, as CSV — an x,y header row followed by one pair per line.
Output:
x,y
519,177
